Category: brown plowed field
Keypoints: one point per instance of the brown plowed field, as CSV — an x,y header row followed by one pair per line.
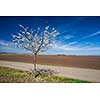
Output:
x,y
92,62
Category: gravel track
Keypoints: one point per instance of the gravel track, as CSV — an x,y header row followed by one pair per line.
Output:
x,y
76,73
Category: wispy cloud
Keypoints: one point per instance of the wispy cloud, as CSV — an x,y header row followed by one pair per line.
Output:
x,y
6,43
6,46
3,43
9,47
68,37
72,43
91,35
64,47
70,47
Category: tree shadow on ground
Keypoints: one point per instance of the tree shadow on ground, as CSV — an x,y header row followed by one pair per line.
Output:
x,y
41,71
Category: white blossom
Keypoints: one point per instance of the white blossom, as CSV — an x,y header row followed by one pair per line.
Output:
x,y
14,36
21,25
28,33
33,41
47,27
38,28
53,29
19,34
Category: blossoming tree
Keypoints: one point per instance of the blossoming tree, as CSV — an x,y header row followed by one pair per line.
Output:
x,y
36,40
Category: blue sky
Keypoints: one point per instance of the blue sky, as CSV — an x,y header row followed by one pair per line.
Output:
x,y
78,35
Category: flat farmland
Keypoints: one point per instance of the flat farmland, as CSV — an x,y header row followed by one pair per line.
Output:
x,y
91,62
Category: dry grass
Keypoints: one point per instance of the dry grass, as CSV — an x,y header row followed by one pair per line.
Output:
x,y
8,75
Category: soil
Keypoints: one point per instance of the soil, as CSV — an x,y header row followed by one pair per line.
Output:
x,y
91,62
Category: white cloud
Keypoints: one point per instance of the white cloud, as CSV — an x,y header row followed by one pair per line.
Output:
x,y
69,47
91,35
72,43
5,43
93,48
68,36
6,46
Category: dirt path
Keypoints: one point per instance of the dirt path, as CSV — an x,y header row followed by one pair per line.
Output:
x,y
76,73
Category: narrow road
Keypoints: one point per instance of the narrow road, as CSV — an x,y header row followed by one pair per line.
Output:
x,y
76,73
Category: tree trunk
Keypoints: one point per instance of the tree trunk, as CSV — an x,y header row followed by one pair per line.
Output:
x,y
35,55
